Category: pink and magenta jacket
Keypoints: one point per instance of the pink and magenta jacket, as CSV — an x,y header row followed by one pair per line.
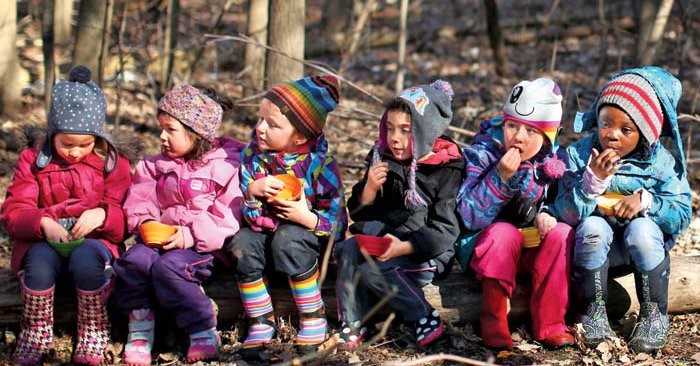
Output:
x,y
62,190
204,197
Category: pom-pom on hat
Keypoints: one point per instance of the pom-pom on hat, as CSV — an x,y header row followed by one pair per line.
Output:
x,y
634,95
193,109
77,107
536,103
306,102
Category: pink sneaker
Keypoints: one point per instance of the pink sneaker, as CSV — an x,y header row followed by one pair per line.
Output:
x,y
204,346
137,351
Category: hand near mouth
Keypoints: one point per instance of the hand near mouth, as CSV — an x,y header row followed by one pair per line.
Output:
x,y
604,164
509,164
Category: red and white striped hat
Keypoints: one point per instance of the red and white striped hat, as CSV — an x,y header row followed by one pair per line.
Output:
x,y
634,95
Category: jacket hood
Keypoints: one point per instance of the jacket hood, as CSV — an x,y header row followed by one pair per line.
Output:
x,y
127,143
668,89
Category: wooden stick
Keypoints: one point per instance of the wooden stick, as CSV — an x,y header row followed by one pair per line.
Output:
x,y
315,65
439,357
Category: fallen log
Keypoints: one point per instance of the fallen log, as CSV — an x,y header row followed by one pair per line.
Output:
x,y
457,297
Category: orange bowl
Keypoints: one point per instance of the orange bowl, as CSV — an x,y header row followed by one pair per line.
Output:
x,y
607,201
372,245
153,233
531,237
292,187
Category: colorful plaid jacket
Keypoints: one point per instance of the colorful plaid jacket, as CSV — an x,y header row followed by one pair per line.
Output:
x,y
322,185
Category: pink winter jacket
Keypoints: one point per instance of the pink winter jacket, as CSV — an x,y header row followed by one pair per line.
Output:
x,y
62,190
204,199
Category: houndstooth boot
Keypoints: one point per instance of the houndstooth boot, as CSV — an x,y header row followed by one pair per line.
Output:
x,y
36,335
93,324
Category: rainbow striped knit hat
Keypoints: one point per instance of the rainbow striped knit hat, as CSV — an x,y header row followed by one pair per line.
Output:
x,y
536,103
306,102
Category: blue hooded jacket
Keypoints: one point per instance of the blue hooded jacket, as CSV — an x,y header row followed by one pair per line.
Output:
x,y
660,172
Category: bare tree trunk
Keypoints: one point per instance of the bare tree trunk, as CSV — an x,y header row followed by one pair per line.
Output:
x,y
92,35
495,37
120,72
62,21
401,62
337,18
649,52
10,90
169,44
47,29
286,33
645,21
255,55
603,47
353,43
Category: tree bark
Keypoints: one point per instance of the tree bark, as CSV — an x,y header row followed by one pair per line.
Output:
x,y
458,297
648,52
10,89
169,44
63,19
92,35
47,47
495,37
286,33
255,55
401,61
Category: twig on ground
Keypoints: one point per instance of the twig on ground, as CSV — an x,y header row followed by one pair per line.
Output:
x,y
382,332
439,357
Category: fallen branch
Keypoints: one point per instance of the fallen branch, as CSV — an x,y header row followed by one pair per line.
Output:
x,y
438,357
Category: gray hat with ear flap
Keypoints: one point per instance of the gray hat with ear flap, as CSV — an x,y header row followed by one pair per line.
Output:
x,y
77,107
431,113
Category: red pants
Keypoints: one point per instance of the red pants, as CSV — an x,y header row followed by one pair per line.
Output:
x,y
499,255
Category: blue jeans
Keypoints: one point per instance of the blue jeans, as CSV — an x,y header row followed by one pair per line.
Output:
x,y
86,266
640,244
357,279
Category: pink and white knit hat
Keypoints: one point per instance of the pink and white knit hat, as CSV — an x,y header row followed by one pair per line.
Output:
x,y
193,109
536,103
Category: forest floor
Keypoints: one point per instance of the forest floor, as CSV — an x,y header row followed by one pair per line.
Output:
x,y
447,40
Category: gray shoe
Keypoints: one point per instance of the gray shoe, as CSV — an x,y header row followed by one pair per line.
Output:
x,y
596,326
651,330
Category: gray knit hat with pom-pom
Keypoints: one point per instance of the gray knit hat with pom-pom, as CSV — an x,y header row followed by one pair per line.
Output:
x,y
77,107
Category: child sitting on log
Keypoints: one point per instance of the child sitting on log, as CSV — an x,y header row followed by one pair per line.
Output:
x,y
624,157
286,229
406,200
511,165
192,185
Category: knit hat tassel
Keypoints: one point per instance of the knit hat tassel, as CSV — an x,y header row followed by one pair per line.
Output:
x,y
412,198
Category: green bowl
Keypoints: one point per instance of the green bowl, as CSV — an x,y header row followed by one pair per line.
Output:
x,y
64,249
